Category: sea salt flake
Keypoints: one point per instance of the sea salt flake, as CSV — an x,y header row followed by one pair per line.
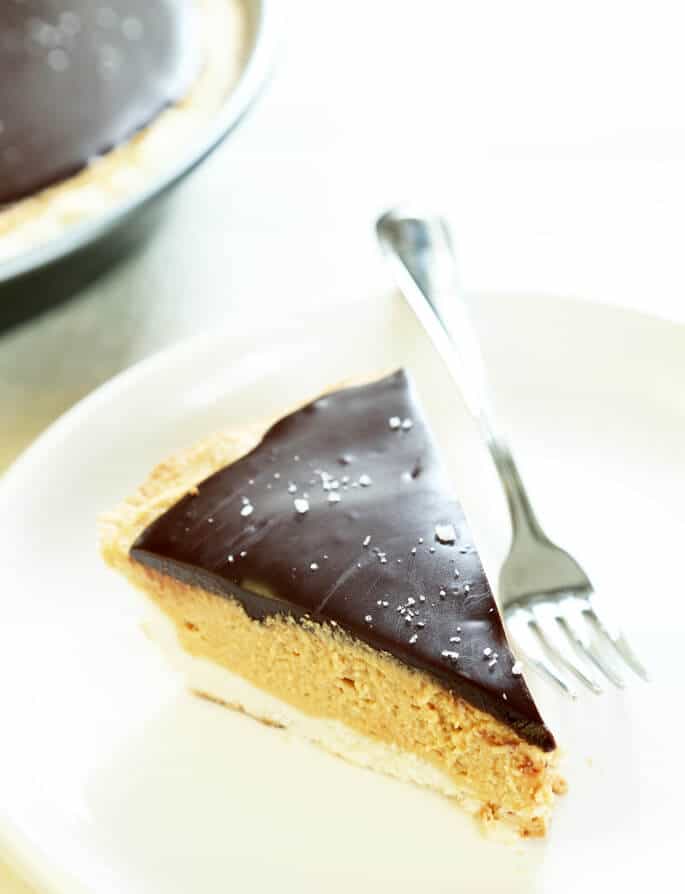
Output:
x,y
365,481
301,505
447,653
292,488
445,533
517,669
366,540
70,23
132,28
394,422
334,497
413,638
487,652
368,619
58,60
313,566
247,509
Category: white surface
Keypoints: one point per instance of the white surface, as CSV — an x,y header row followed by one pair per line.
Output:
x,y
551,134
112,774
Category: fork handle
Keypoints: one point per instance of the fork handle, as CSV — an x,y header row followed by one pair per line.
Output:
x,y
423,262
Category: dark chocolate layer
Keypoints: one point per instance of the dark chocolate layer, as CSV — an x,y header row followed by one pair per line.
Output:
x,y
343,513
79,77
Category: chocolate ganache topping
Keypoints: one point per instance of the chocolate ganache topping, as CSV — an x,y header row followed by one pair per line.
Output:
x,y
343,513
79,77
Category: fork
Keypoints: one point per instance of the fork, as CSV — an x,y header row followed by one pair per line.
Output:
x,y
548,602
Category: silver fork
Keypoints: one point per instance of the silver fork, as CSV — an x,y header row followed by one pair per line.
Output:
x,y
548,602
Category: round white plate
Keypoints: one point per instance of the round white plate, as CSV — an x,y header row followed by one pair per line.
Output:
x,y
112,779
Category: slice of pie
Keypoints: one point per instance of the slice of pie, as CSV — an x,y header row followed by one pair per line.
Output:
x,y
322,577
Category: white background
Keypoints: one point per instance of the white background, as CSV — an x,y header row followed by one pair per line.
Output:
x,y
551,134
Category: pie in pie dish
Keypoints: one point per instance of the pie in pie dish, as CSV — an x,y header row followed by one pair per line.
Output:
x,y
99,99
319,575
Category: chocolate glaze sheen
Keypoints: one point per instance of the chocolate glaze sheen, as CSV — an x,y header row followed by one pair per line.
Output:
x,y
79,77
378,546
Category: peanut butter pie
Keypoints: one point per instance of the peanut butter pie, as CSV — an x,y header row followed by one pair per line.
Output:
x,y
321,576
97,98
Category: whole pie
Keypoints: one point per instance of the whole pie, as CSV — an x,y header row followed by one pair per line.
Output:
x,y
319,574
96,99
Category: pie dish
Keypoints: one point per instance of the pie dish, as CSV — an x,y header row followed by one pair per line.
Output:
x,y
100,101
318,574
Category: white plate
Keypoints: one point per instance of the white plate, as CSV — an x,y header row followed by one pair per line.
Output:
x,y
112,779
